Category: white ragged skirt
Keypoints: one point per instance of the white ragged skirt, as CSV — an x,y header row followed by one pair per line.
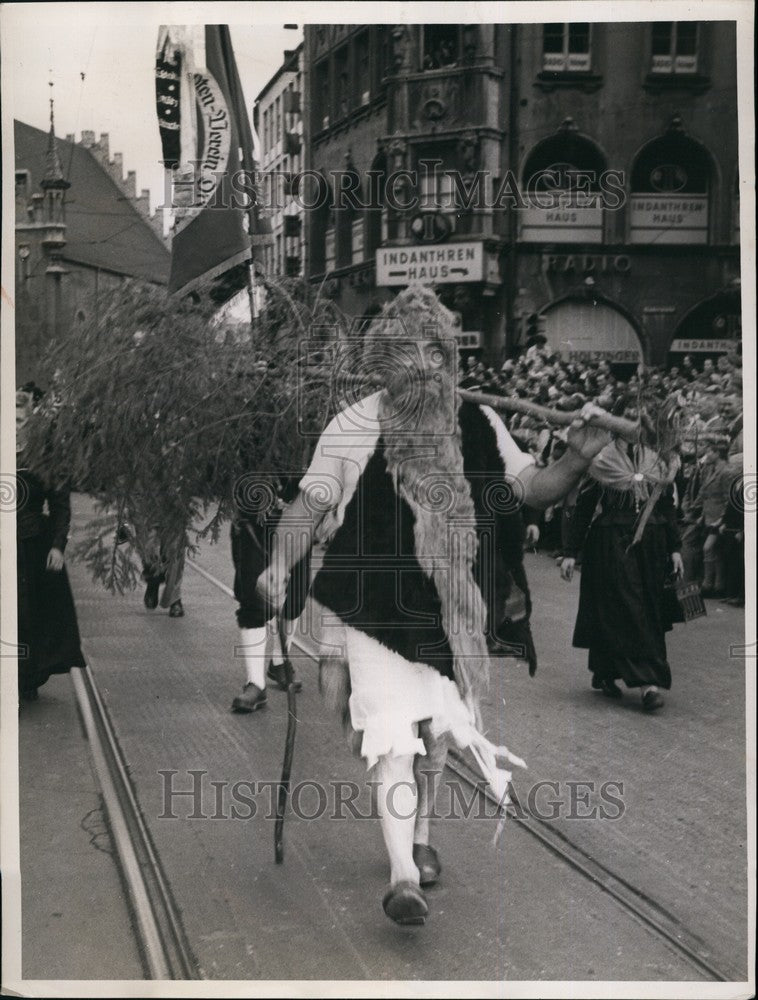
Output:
x,y
391,695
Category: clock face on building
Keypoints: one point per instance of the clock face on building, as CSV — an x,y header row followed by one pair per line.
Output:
x,y
668,177
430,227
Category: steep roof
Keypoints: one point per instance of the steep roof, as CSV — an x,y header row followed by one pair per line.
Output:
x,y
289,65
104,227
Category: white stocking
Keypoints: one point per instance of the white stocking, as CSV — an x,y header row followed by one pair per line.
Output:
x,y
253,648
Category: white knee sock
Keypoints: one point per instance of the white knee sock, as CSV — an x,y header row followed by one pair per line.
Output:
x,y
253,648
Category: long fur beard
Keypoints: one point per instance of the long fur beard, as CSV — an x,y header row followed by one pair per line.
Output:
x,y
425,459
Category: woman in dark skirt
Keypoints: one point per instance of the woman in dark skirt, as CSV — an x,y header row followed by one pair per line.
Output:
x,y
625,525
48,633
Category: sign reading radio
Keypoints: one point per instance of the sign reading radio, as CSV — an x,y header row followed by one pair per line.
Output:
x,y
430,265
587,263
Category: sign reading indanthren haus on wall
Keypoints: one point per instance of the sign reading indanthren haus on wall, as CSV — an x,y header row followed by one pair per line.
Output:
x,y
697,344
431,265
668,218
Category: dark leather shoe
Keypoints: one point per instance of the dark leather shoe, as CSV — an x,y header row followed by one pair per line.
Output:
x,y
251,699
609,688
151,593
278,676
426,859
651,700
405,903
176,610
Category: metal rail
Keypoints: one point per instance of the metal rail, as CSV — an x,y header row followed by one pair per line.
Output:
x,y
163,945
643,907
654,917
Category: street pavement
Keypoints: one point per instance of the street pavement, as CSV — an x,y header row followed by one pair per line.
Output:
x,y
510,911
75,917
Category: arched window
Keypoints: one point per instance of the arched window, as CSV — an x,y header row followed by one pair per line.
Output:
x,y
671,182
711,328
561,185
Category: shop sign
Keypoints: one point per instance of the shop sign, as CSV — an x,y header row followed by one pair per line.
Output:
x,y
569,224
450,263
619,356
669,218
698,344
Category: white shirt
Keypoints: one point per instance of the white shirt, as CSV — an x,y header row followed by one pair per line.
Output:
x,y
348,442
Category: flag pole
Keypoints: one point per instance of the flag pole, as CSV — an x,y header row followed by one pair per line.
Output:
x,y
247,156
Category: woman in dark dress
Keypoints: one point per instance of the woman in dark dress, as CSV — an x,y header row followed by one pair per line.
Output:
x,y
624,523
48,633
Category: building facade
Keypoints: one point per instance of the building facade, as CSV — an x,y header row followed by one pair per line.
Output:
x,y
81,228
578,180
278,123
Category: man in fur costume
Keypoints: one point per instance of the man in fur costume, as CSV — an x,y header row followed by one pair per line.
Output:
x,y
418,496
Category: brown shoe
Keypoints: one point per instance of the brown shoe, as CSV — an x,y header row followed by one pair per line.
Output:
x,y
176,610
251,699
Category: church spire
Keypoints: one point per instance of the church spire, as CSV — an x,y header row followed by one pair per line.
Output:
x,y
53,177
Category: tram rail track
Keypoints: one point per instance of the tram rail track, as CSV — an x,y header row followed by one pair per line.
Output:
x,y
166,951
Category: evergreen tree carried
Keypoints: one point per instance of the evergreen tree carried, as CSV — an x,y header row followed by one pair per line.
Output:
x,y
160,413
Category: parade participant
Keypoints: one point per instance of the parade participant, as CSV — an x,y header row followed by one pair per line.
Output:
x,y
732,532
257,508
624,523
48,632
716,480
162,563
419,566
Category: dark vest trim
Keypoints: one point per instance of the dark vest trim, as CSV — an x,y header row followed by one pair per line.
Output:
x,y
372,580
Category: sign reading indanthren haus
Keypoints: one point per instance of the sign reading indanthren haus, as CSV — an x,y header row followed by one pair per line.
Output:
x,y
431,265
669,218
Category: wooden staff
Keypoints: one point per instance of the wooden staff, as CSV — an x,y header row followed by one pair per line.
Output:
x,y
619,426
289,747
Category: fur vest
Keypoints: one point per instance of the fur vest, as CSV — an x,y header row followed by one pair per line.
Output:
x,y
372,579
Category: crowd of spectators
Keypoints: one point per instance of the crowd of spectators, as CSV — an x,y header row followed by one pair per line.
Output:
x,y
709,485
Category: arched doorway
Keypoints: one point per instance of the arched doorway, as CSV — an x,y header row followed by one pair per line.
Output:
x,y
711,328
584,331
